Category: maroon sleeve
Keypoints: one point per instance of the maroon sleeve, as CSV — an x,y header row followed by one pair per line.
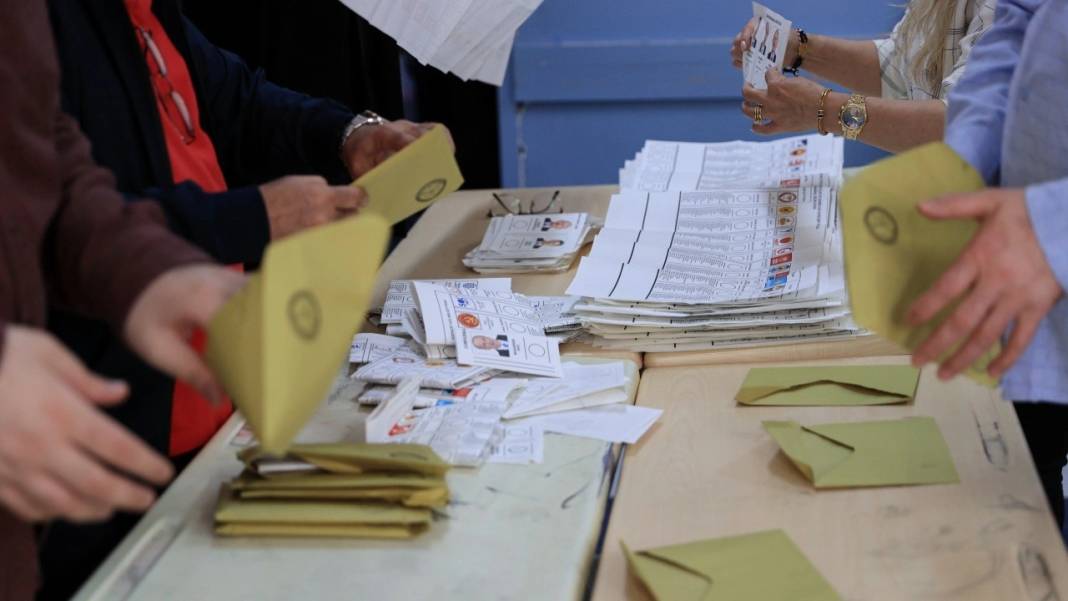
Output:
x,y
101,250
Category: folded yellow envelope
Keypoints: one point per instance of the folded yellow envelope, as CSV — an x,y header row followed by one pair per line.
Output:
x,y
278,344
837,385
764,566
877,453
409,497
412,179
357,458
406,489
893,254
236,516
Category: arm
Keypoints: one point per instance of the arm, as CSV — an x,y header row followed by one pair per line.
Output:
x,y
852,64
976,117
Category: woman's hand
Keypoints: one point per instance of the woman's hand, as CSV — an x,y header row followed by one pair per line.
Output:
x,y
788,105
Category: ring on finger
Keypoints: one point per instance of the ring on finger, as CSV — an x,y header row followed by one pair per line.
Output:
x,y
758,114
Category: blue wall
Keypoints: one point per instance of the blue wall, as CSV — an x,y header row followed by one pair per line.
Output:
x,y
591,80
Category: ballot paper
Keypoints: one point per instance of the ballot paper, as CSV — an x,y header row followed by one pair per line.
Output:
x,y
276,346
516,353
489,312
664,166
469,38
767,47
459,432
520,243
401,295
610,423
413,178
496,389
556,312
443,374
582,386
518,445
366,347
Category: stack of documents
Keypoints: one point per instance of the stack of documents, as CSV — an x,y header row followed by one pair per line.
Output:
x,y
699,270
339,490
530,243
469,38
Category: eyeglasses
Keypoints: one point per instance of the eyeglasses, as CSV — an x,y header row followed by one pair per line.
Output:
x,y
174,105
542,203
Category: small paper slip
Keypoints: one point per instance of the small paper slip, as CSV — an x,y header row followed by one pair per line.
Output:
x,y
767,47
379,424
611,423
878,453
581,386
371,347
516,353
518,445
401,294
534,236
413,178
459,432
893,254
399,367
840,385
445,312
765,566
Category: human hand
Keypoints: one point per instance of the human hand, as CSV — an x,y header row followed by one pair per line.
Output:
x,y
1002,279
298,202
59,456
788,105
370,145
169,310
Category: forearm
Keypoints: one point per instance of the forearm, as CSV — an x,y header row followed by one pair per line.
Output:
x,y
893,125
851,64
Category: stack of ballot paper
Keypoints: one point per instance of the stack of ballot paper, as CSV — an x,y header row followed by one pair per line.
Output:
x,y
469,38
741,266
334,490
529,243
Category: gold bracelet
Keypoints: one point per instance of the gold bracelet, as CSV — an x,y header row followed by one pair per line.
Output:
x,y
821,112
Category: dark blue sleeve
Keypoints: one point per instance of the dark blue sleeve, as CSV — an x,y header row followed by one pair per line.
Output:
x,y
261,130
230,226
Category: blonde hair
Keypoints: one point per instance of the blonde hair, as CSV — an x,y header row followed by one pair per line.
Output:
x,y
923,37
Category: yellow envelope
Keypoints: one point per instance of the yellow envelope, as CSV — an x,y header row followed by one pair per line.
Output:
x,y
764,566
278,344
838,385
878,453
409,497
412,179
357,458
893,254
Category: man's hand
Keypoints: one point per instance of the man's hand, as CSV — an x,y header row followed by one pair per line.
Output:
x,y
788,105
299,202
370,145
59,455
1002,277
164,317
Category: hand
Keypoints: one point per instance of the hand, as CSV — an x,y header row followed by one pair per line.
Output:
x,y
370,145
1002,278
788,105
59,456
741,44
165,315
298,202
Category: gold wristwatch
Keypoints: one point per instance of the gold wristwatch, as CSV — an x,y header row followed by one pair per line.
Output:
x,y
853,116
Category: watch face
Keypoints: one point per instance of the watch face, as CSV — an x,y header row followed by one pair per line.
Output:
x,y
853,117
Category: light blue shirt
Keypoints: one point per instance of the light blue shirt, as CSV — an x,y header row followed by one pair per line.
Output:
x,y
1008,117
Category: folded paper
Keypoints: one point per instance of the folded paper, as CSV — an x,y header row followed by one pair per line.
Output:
x,y
765,565
907,451
838,385
893,254
277,345
346,458
414,178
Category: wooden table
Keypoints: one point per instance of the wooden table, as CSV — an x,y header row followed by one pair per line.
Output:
x,y
708,470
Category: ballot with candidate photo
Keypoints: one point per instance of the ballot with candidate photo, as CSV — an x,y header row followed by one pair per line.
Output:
x,y
517,353
767,47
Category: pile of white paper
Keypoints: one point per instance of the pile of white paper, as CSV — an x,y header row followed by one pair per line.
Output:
x,y
704,251
469,38
530,243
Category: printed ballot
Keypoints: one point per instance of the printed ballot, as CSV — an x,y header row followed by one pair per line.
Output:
x,y
840,385
412,179
447,311
530,243
767,47
764,565
371,347
401,294
893,253
516,353
909,451
276,346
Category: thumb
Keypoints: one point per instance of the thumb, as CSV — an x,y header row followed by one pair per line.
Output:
x,y
348,198
773,75
959,206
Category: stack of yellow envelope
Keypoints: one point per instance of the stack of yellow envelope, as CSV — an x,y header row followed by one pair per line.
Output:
x,y
893,254
335,490
840,385
877,453
764,566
